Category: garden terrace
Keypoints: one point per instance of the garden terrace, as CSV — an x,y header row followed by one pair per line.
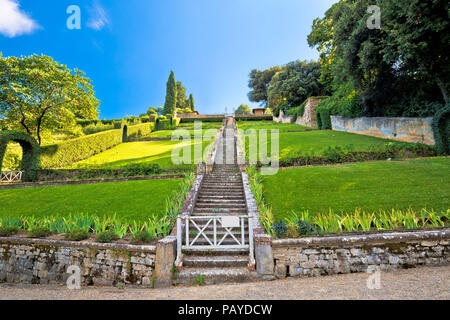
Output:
x,y
371,186
132,200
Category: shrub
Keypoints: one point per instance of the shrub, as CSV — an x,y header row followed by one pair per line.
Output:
x,y
96,128
77,235
67,152
304,228
280,229
8,231
39,232
141,237
107,237
254,118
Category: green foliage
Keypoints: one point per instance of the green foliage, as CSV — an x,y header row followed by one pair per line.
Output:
x,y
279,229
181,96
243,109
441,128
97,127
31,152
107,237
39,232
77,235
259,82
38,94
254,118
190,103
297,81
142,237
7,231
141,130
199,281
171,96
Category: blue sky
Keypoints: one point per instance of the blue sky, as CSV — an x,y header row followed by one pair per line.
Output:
x,y
128,47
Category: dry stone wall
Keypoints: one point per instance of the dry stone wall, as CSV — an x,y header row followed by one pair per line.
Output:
x,y
347,254
44,261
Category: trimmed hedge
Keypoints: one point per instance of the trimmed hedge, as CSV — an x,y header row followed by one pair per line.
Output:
x,y
141,130
65,153
254,118
192,120
441,131
31,152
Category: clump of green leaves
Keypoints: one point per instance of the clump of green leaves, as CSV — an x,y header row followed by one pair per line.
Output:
x,y
39,232
107,237
77,235
200,280
8,231
142,236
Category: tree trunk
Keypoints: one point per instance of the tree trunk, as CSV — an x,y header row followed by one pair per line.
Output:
x,y
443,89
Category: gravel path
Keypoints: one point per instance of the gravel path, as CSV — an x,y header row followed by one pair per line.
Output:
x,y
420,283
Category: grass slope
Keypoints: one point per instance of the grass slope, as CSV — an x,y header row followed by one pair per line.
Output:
x,y
369,186
155,152
132,200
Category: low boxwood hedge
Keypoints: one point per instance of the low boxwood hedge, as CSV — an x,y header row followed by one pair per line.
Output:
x,y
203,119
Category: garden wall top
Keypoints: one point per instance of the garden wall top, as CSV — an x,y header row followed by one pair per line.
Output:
x,y
376,238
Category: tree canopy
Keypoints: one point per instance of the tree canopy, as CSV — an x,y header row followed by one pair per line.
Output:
x,y
181,96
37,93
243,109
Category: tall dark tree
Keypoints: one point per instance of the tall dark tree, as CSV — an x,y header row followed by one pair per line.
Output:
x,y
181,96
171,96
190,103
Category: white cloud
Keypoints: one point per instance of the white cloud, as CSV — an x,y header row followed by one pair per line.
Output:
x,y
13,21
98,17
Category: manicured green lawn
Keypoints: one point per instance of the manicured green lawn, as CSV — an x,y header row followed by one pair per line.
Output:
x,y
131,200
370,186
169,133
292,144
155,152
258,125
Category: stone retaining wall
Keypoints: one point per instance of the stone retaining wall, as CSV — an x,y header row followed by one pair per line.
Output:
x,y
309,118
282,118
400,129
347,254
42,261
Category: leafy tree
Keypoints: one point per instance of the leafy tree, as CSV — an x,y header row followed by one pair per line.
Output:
x,y
38,94
418,39
152,111
259,82
181,96
243,109
171,96
295,83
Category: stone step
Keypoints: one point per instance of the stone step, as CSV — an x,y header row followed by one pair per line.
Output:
x,y
221,201
216,252
219,211
228,241
224,188
203,197
215,261
215,275
222,185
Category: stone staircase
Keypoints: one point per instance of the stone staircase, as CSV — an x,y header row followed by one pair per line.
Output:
x,y
221,194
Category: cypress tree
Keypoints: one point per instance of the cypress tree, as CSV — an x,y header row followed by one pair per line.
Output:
x,y
191,102
171,95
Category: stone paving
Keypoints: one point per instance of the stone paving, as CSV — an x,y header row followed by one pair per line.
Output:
x,y
430,283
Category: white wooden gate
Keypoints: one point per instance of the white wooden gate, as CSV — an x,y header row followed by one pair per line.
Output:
x,y
10,176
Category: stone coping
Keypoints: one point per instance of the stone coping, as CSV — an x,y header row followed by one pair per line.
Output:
x,y
376,238
75,244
